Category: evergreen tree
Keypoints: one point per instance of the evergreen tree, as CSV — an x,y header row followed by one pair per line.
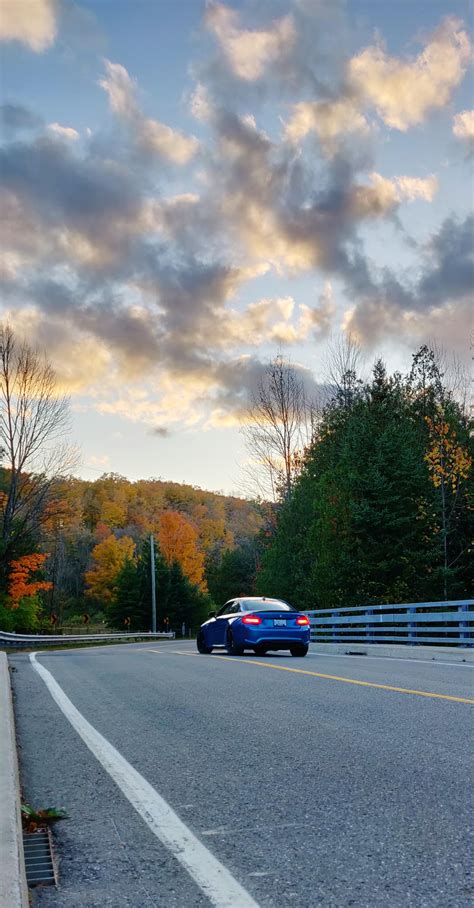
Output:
x,y
177,599
365,523
234,576
133,591
186,604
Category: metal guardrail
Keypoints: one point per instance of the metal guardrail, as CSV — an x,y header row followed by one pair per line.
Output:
x,y
446,623
19,640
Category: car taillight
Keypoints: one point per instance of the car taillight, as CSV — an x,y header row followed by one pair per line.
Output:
x,y
251,619
303,619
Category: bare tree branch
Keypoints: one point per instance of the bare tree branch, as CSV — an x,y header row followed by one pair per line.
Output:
x,y
34,419
277,428
343,363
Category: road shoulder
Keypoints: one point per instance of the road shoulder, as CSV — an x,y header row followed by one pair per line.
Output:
x,y
13,887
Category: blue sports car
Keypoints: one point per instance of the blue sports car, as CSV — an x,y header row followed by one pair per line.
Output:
x,y
255,623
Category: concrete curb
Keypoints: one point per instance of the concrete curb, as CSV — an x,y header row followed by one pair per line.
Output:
x,y
431,653
13,887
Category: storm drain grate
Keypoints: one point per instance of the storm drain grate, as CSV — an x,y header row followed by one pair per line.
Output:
x,y
39,858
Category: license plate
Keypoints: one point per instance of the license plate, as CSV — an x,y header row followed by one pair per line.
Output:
x,y
279,622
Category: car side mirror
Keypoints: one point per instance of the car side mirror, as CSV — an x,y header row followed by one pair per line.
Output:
x,y
211,615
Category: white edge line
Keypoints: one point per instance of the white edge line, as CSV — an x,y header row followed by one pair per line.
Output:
x,y
211,876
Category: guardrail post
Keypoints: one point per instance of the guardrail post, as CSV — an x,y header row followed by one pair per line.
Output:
x,y
335,636
368,626
464,626
412,627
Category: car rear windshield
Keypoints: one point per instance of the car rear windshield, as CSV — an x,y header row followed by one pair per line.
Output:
x,y
265,605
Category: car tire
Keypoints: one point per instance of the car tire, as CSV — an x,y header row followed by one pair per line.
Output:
x,y
261,650
232,648
201,645
299,649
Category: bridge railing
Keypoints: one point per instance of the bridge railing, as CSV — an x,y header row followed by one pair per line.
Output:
x,y
423,623
29,640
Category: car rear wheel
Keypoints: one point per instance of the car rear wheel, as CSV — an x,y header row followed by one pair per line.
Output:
x,y
201,644
299,649
232,648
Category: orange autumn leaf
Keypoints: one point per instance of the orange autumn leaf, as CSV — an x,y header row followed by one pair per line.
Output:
x,y
20,583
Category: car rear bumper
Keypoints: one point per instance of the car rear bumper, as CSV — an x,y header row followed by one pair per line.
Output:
x,y
276,640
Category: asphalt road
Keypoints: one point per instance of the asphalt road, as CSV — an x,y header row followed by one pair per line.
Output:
x,y
309,791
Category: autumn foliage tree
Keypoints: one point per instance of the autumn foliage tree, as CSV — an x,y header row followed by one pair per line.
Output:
x,y
108,556
449,464
21,583
178,541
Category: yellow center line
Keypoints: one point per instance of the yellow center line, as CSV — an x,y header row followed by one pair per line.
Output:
x,y
302,671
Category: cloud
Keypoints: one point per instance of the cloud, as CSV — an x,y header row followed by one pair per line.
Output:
x,y
404,92
285,211
298,53
161,432
15,117
249,53
317,320
383,195
200,103
463,125
463,128
449,273
328,120
150,136
442,293
82,362
32,22
84,210
152,287
412,188
63,132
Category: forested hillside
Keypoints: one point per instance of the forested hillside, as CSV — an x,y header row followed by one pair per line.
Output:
x,y
95,536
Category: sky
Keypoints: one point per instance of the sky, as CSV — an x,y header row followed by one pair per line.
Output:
x,y
192,188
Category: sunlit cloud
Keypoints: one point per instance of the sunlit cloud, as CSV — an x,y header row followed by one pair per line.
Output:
x,y
247,52
403,92
383,195
64,132
463,129
463,125
328,120
31,22
412,188
151,136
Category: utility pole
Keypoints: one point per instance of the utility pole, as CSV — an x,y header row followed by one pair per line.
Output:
x,y
153,588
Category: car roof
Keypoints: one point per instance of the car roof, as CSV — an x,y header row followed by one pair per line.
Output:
x,y
257,599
